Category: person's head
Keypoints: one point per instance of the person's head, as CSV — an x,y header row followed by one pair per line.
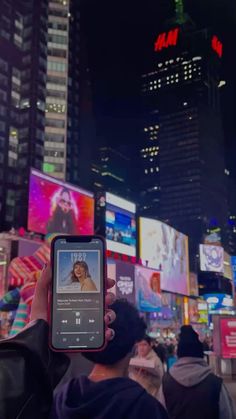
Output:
x,y
80,271
189,344
155,283
65,200
129,329
144,346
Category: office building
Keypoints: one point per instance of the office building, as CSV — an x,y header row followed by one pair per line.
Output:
x,y
182,151
46,119
57,89
111,172
23,63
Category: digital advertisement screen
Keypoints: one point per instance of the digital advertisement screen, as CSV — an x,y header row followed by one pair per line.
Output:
x,y
120,225
218,302
165,249
228,272
228,337
57,207
211,258
147,289
124,275
193,284
233,264
198,311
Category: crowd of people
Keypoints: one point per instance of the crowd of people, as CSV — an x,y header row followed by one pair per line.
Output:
x,y
128,379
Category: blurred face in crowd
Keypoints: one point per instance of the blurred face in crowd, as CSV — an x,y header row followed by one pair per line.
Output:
x,y
143,348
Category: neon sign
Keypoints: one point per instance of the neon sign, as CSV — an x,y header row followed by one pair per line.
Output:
x,y
166,39
217,46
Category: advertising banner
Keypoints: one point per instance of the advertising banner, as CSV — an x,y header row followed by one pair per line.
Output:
x,y
193,284
125,281
123,273
120,225
165,249
228,337
58,207
228,272
233,263
147,288
218,302
211,258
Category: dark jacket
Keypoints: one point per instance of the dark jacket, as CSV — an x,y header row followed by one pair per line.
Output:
x,y
191,390
61,222
29,371
117,398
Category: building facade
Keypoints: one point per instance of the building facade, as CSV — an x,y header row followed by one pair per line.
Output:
x,y
182,153
111,172
23,62
46,119
55,147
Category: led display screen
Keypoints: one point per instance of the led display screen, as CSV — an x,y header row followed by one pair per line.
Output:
x,y
165,249
218,302
120,225
123,273
211,258
148,290
57,207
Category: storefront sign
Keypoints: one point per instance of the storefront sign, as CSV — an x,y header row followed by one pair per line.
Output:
x,y
166,39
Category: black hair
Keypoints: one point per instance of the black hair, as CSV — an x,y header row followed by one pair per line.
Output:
x,y
147,339
129,329
189,344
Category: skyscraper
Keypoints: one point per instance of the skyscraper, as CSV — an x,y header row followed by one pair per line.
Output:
x,y
183,146
111,171
23,61
45,100
55,147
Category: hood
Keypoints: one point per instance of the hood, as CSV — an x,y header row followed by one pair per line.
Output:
x,y
84,399
190,371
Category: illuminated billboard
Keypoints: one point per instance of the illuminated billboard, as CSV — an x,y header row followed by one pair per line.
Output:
x,y
165,249
211,258
228,270
198,311
58,207
123,273
233,264
120,225
147,289
219,302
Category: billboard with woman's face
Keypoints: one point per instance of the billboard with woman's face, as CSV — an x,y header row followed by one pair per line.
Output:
x,y
148,289
57,207
165,249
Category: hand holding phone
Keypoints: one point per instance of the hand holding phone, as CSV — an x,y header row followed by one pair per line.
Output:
x,y
40,302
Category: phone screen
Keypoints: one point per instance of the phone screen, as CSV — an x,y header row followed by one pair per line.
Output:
x,y
78,293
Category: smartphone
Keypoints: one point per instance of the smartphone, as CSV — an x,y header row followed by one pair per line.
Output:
x,y
78,293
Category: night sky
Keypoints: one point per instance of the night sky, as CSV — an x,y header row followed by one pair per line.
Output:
x,y
120,36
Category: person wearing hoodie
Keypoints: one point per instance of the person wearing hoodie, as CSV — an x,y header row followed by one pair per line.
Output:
x,y
108,392
150,380
189,388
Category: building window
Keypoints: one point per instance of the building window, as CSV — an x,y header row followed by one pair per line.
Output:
x,y
57,66
57,123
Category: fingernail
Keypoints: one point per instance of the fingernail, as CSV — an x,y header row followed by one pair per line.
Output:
x,y
112,334
112,297
111,316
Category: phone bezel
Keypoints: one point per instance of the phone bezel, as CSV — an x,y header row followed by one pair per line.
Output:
x,y
76,239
